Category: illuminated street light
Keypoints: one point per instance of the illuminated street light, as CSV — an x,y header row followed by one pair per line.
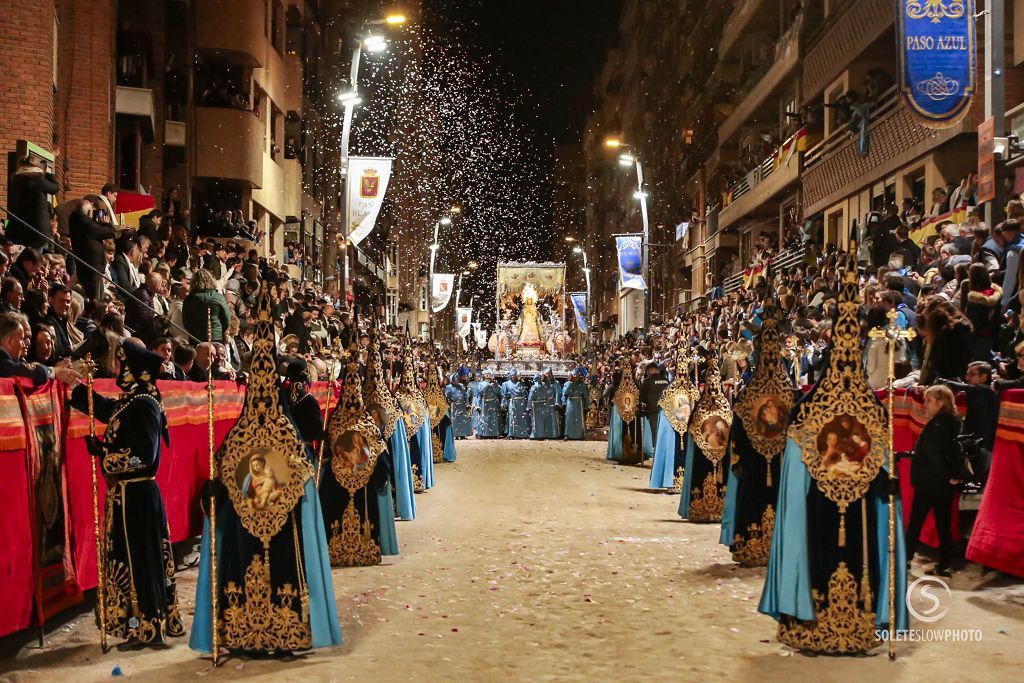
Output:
x,y
577,250
375,44
349,99
473,265
446,221
395,19
455,209
570,239
627,159
640,194
433,247
613,143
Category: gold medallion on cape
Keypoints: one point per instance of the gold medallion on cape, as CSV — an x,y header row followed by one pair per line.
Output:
x,y
765,404
677,403
627,396
354,437
712,417
263,463
842,427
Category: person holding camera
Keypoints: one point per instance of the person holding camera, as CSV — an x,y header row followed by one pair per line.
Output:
x,y
936,469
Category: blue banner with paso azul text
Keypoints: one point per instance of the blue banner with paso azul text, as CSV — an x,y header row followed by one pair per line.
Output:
x,y
579,307
630,261
937,46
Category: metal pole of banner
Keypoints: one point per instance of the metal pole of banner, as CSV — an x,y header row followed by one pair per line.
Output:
x,y
995,92
343,167
645,265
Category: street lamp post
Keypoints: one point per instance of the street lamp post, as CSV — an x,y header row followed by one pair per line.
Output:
x,y
349,100
586,273
632,158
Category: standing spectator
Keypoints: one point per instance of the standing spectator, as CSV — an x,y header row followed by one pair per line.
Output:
x,y
905,246
107,203
204,298
87,237
935,470
30,205
1012,240
979,300
947,339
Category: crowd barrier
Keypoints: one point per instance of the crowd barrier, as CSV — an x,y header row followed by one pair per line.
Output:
x,y
47,547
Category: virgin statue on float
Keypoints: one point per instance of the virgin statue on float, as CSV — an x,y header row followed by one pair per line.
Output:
x,y
530,331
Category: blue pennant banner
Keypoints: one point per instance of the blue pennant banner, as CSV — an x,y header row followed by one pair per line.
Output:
x,y
579,307
630,260
937,47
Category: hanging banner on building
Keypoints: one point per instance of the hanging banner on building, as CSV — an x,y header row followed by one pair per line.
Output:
x,y
937,47
463,321
682,230
367,182
630,261
441,291
579,307
987,160
480,334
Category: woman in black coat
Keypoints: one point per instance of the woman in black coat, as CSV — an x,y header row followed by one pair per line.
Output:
x,y
30,187
87,237
935,471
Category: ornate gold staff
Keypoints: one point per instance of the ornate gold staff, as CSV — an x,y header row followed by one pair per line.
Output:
x,y
213,500
327,412
89,368
891,334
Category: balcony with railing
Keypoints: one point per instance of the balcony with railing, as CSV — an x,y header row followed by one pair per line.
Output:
x,y
785,259
763,182
835,167
741,17
764,81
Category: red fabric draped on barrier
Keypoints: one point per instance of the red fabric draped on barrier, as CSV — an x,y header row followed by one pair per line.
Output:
x,y
184,466
998,537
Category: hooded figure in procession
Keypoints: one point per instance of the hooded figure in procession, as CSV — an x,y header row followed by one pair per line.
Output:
x,y
459,395
140,600
273,575
576,399
487,407
514,394
541,402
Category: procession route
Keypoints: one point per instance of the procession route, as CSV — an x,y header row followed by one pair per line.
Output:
x,y
543,561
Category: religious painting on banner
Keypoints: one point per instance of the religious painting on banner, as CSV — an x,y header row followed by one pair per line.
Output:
x,y
677,403
56,577
937,45
368,183
463,321
630,261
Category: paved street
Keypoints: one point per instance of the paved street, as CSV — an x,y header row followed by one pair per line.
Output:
x,y
545,562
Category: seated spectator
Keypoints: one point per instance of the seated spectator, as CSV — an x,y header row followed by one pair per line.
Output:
x,y
25,267
60,306
184,359
162,347
125,268
35,306
41,345
14,334
11,295
141,312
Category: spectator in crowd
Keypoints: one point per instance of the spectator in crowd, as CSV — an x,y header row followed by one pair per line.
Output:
x,y
142,311
25,267
14,345
41,345
979,301
205,302
87,237
107,204
12,295
59,300
125,268
30,190
935,470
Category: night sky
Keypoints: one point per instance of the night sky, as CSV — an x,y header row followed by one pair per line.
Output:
x,y
552,49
